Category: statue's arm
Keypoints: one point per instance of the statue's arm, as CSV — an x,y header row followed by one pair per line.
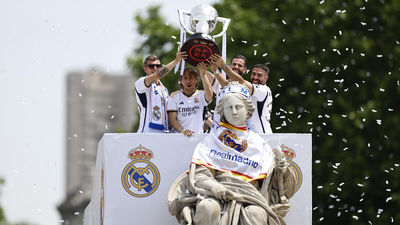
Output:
x,y
204,179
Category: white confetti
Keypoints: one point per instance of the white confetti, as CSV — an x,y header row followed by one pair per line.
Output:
x,y
284,22
321,2
379,56
112,116
255,52
244,42
360,185
173,37
363,23
381,89
265,54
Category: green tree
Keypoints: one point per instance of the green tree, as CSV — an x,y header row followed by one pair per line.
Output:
x,y
334,73
2,217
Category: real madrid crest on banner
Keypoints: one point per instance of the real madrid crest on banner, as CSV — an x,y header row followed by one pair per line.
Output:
x,y
140,178
289,155
156,113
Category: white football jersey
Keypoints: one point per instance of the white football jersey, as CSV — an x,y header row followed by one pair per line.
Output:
x,y
217,89
143,98
262,100
190,110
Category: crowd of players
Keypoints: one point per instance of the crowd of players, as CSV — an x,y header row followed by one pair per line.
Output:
x,y
185,111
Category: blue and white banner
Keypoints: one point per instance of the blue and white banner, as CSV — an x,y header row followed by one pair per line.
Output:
x,y
246,156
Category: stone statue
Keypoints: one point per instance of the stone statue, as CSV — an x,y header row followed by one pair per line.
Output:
x,y
235,177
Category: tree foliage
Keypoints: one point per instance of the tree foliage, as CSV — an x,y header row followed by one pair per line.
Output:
x,y
2,217
334,73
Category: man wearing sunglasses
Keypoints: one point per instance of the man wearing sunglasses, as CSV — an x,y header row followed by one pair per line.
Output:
x,y
152,96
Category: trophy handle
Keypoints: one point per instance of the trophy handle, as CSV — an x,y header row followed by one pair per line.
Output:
x,y
226,22
181,12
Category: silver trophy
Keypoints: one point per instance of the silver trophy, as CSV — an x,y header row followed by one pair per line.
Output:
x,y
201,45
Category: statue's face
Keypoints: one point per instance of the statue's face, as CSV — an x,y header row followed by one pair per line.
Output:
x,y
235,111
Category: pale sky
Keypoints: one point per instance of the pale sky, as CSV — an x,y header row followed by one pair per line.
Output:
x,y
40,42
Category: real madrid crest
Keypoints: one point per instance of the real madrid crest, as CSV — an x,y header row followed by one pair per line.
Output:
x,y
156,113
231,140
289,155
140,178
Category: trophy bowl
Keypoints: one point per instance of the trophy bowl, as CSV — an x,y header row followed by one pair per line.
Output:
x,y
200,46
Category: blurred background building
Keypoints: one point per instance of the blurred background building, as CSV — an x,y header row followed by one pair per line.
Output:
x,y
96,103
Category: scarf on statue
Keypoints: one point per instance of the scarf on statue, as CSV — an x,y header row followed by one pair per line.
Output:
x,y
235,150
158,106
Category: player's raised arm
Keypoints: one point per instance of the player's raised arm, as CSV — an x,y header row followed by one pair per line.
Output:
x,y
202,69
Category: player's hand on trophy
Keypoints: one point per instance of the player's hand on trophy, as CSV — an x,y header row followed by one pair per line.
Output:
x,y
213,67
201,68
218,60
180,55
280,159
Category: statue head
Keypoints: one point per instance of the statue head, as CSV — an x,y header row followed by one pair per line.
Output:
x,y
235,106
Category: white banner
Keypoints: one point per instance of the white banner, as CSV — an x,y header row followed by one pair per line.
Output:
x,y
135,171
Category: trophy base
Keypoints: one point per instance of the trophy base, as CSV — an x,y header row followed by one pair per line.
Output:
x,y
200,47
